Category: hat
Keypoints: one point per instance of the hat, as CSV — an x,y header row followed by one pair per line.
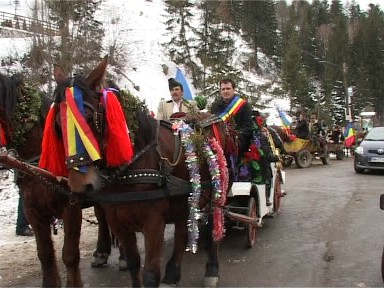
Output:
x,y
173,83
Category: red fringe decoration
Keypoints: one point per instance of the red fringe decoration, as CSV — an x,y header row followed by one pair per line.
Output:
x,y
218,215
52,148
3,139
119,148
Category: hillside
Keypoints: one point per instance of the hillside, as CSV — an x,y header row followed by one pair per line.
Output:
x,y
141,34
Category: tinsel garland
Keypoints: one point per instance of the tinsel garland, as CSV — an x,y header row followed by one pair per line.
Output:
x,y
26,113
194,174
219,172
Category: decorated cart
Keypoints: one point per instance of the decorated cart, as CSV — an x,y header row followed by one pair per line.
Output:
x,y
247,207
303,151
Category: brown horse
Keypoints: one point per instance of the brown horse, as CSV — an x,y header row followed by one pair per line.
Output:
x,y
153,189
41,200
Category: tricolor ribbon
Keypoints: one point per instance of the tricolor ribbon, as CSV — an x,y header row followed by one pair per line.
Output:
x,y
78,136
232,108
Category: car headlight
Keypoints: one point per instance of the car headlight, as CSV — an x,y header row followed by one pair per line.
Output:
x,y
359,150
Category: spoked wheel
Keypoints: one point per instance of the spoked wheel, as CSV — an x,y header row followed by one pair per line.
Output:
x,y
382,265
303,159
251,229
277,193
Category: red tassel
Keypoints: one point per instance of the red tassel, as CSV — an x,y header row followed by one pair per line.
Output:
x,y
52,148
119,148
3,139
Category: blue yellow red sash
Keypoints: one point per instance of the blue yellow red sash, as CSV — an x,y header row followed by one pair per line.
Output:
x,y
78,136
232,108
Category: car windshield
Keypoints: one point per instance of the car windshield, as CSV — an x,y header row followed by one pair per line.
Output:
x,y
376,134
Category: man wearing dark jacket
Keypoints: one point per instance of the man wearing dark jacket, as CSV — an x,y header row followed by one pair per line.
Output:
x,y
235,110
302,129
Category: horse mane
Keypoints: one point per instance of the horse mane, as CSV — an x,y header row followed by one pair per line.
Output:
x,y
46,103
146,127
281,133
9,91
79,81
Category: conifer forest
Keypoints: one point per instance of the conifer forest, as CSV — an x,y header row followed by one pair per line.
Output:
x,y
324,56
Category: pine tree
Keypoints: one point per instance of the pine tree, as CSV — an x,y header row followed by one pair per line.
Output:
x,y
259,25
215,48
81,34
181,45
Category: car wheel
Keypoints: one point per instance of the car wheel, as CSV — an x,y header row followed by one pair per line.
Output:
x,y
357,169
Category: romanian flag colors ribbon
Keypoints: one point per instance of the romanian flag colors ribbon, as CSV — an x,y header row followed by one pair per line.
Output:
x,y
77,135
232,108
349,135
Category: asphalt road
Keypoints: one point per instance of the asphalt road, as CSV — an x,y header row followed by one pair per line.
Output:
x,y
328,234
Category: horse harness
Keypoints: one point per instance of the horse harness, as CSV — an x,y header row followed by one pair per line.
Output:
x,y
168,185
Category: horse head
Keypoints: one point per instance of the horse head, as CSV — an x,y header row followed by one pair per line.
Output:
x,y
72,136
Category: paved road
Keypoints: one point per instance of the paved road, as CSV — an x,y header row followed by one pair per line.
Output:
x,y
328,234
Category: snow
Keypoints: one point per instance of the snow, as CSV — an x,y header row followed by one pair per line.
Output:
x,y
9,196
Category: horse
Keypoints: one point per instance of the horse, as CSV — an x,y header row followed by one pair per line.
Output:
x,y
133,194
281,136
22,115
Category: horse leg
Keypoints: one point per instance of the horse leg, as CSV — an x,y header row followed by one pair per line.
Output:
x,y
173,269
103,248
154,238
45,249
123,259
211,277
36,215
129,248
72,217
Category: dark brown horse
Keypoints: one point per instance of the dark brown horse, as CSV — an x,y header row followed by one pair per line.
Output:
x,y
41,200
153,189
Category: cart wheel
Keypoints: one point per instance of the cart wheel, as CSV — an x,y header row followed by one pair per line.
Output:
x,y
303,159
277,194
251,230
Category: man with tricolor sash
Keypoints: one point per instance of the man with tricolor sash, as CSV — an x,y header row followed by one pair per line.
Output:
x,y
234,110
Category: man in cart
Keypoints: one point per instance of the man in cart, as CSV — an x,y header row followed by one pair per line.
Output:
x,y
235,111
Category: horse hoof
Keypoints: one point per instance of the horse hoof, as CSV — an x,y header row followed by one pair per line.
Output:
x,y
99,260
211,281
123,266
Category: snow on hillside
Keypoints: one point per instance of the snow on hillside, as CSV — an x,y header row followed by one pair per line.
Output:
x,y
139,26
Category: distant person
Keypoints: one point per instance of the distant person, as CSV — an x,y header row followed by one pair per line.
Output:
x,y
301,129
316,127
337,135
317,132
22,225
240,118
177,107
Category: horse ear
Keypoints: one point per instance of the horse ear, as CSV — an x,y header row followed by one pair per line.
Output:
x,y
96,77
58,73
